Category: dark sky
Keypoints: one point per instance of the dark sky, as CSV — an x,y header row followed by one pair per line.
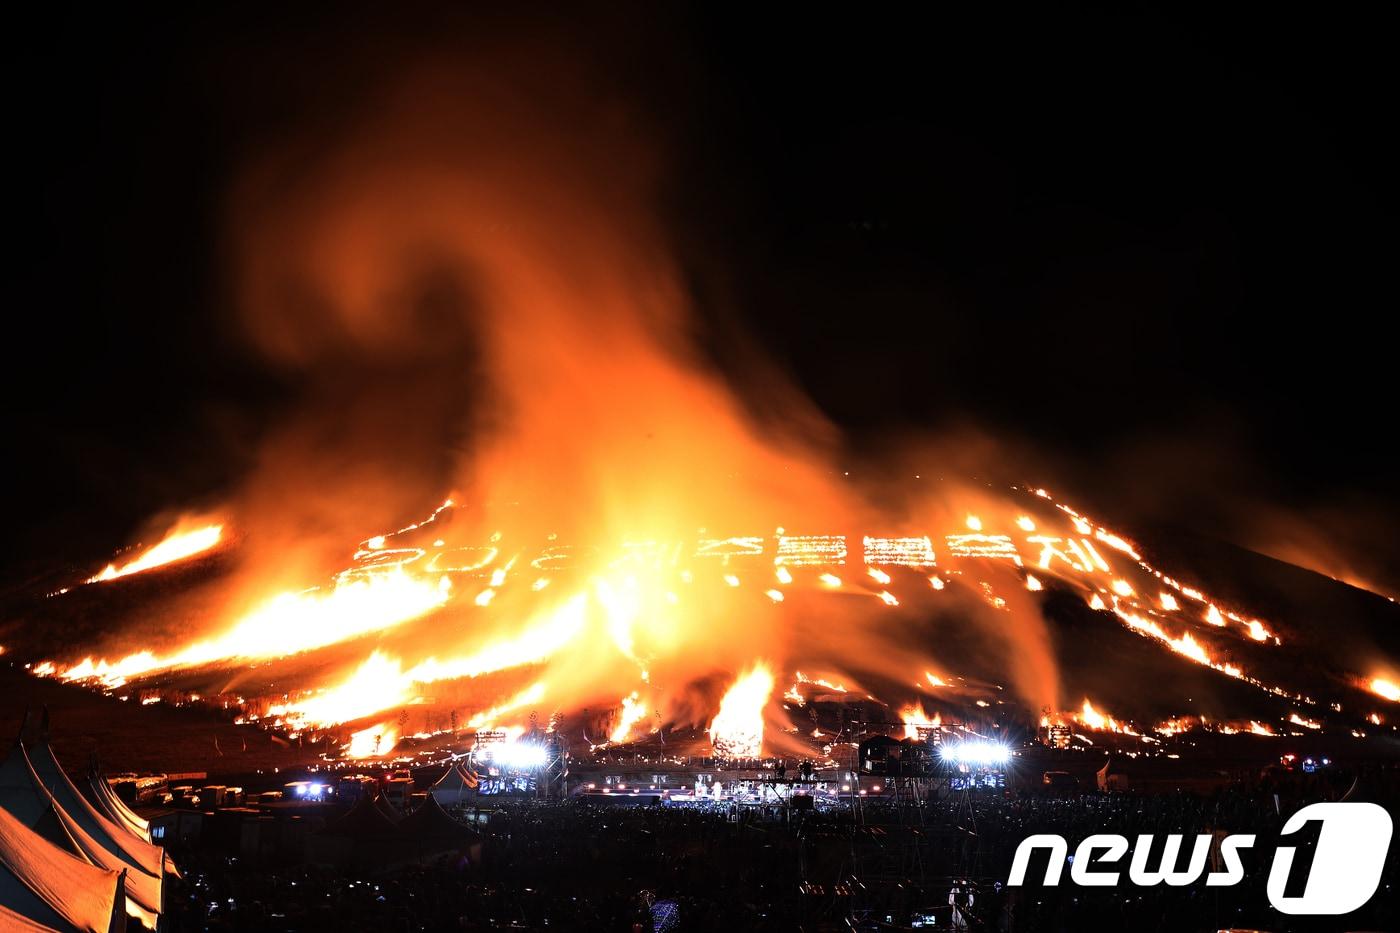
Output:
x,y
1155,247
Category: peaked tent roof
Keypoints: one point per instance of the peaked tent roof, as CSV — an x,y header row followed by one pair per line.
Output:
x,y
143,892
109,803
20,789
48,886
454,780
362,821
121,842
430,819
391,812
9,920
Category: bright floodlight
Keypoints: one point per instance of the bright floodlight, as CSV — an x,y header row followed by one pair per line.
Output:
x,y
520,756
976,753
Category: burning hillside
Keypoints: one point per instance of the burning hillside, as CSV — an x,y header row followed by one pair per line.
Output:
x,y
487,630
498,314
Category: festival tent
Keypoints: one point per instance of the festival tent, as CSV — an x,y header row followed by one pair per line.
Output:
x,y
19,923
106,800
21,791
364,820
144,894
364,837
431,822
432,832
1112,777
140,854
391,812
455,786
53,889
23,795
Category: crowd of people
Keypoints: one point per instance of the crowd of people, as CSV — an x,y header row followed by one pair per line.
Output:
x,y
572,865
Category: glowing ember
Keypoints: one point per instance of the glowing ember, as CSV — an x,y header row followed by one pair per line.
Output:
x,y
737,730
996,547
1176,726
811,550
899,552
177,545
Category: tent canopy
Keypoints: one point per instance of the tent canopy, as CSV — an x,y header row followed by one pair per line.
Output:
x,y
109,803
144,894
121,842
363,820
431,820
390,811
55,889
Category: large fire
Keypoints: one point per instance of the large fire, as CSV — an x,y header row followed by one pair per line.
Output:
x,y
628,530
1386,688
737,730
916,720
601,618
179,544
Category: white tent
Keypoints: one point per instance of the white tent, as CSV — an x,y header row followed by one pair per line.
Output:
x,y
455,786
122,842
19,793
1112,778
53,889
144,895
26,798
106,800
9,920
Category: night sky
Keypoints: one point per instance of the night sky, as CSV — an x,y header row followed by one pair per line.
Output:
x,y
1156,250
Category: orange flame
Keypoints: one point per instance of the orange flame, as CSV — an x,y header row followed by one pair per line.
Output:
x,y
179,544
737,729
374,742
633,711
915,718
